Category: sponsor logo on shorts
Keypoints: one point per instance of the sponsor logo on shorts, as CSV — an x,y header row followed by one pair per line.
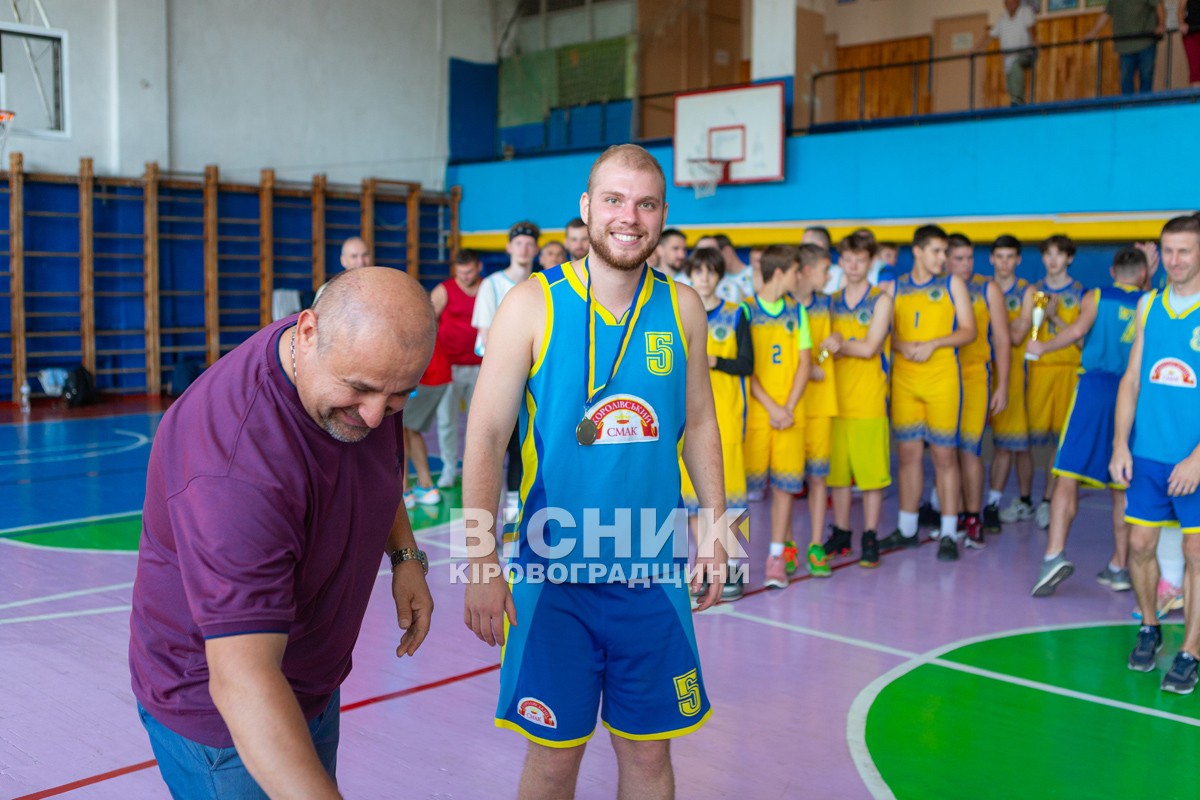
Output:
x,y
537,712
623,419
1173,372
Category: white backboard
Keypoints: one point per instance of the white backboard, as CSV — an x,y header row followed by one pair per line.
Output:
x,y
743,126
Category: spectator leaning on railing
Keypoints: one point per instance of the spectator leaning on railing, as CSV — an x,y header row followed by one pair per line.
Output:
x,y
1136,53
1014,30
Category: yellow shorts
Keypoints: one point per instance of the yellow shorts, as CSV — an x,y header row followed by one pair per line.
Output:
x,y
926,402
818,433
861,453
734,467
1048,398
775,457
976,394
1010,428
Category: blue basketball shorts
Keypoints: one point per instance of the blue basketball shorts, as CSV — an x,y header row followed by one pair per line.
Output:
x,y
1148,504
625,651
1085,446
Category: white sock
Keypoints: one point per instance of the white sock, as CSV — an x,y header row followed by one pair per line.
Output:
x,y
950,526
1170,555
1051,558
994,497
908,523
933,500
776,549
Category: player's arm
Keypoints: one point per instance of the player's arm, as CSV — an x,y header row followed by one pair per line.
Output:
x,y
1019,328
1121,466
410,591
1070,334
702,443
743,364
877,332
804,368
439,299
965,331
1001,348
493,415
256,702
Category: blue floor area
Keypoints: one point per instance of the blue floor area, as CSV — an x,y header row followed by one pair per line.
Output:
x,y
49,470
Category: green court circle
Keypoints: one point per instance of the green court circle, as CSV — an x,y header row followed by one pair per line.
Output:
x,y
937,731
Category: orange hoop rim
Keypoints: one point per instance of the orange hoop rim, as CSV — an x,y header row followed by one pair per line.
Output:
x,y
6,116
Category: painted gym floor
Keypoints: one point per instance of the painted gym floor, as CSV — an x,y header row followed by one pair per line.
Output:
x,y
918,679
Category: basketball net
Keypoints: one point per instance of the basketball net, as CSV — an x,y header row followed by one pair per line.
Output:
x,y
708,175
6,118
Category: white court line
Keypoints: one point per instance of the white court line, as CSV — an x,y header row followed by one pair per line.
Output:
x,y
66,615
65,595
96,449
856,723
65,522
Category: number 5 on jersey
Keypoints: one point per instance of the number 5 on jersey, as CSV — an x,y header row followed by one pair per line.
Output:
x,y
659,358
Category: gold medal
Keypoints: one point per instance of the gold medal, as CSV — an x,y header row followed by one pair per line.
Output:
x,y
585,432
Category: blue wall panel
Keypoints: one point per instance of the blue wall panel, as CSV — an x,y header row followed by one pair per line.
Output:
x,y
1091,161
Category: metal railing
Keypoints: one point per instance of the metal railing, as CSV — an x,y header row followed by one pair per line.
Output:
x,y
971,60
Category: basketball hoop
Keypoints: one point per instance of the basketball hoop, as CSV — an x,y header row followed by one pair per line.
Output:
x,y
6,118
709,173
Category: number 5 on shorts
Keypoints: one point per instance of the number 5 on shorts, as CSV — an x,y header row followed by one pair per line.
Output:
x,y
687,689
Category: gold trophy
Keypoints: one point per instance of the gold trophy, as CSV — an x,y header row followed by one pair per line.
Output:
x,y
1040,301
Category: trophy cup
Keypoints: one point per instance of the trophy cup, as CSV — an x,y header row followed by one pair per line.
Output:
x,y
1040,301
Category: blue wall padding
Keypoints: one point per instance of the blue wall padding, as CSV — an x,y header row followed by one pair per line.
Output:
x,y
474,104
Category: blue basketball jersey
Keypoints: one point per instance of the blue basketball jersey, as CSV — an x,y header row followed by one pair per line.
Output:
x,y
616,502
1106,346
1165,427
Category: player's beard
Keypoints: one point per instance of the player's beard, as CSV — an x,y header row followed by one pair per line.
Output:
x,y
625,261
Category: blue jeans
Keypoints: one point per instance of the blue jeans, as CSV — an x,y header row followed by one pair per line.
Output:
x,y
192,770
1141,62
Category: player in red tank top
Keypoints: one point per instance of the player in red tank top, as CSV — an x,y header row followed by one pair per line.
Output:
x,y
454,302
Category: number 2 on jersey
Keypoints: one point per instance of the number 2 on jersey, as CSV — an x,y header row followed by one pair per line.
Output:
x,y
776,354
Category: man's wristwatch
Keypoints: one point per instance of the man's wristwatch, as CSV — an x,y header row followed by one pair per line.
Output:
x,y
409,554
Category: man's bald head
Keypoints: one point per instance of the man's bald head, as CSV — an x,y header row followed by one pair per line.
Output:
x,y
361,349
355,253
373,303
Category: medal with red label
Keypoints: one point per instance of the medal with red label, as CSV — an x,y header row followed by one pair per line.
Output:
x,y
587,430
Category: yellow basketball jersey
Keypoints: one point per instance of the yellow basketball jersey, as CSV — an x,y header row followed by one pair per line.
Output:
x,y
778,339
1068,300
820,397
862,383
729,391
980,350
925,312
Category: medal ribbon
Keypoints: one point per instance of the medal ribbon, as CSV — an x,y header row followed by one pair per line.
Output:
x,y
631,317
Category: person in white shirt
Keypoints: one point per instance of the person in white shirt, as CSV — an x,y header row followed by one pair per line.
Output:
x,y
522,251
1016,31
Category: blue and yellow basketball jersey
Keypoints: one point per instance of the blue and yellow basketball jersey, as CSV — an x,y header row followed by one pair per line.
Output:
x,y
607,501
1106,346
862,383
925,312
778,339
820,397
729,391
1067,300
979,351
1165,426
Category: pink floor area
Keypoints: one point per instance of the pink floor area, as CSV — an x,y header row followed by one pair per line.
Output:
x,y
782,669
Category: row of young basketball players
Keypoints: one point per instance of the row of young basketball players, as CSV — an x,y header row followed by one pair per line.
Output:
x,y
811,387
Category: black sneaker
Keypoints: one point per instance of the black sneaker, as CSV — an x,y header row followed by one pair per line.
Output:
x,y
1182,677
1149,642
947,549
927,517
991,518
839,544
870,551
898,539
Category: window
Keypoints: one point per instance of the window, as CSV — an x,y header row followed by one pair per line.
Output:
x,y
33,68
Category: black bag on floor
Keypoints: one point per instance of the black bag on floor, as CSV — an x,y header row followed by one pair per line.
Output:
x,y
80,388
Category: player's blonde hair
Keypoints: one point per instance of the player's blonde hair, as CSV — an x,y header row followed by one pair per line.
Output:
x,y
629,155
